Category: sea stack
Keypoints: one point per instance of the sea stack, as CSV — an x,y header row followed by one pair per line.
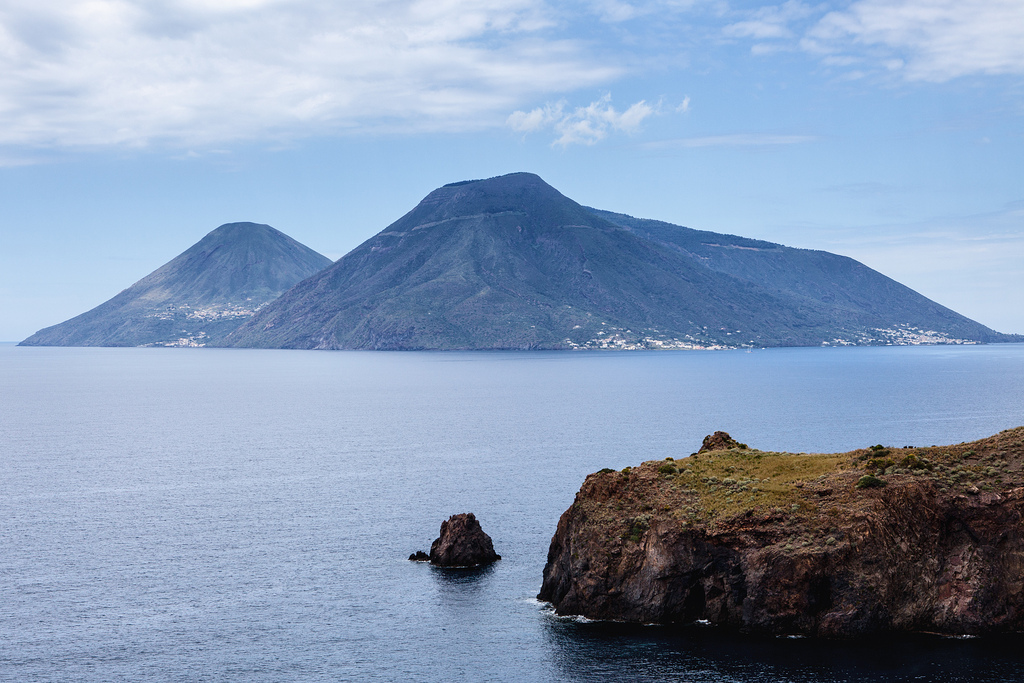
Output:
x,y
462,543
783,543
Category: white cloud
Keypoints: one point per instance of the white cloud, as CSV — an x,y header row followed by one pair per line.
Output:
x,y
583,125
15,161
734,140
202,72
932,40
772,21
684,106
767,49
536,119
617,11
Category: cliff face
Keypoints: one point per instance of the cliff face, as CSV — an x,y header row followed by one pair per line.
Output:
x,y
930,540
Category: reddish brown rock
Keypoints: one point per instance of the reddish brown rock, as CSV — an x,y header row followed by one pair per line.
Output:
x,y
939,548
462,543
719,441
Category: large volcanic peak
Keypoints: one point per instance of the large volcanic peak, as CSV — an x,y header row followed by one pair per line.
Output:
x,y
511,263
522,194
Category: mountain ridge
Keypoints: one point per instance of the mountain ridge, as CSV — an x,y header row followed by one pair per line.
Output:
x,y
774,266
511,263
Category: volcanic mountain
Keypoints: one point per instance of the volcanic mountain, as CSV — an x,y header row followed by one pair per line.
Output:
x,y
510,263
198,297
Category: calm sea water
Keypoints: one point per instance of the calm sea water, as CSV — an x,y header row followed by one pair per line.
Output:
x,y
232,515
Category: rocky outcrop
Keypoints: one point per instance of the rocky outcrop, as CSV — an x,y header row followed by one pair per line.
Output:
x,y
788,544
719,441
462,543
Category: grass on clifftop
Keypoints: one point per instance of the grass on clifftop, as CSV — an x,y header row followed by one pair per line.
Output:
x,y
720,484
729,482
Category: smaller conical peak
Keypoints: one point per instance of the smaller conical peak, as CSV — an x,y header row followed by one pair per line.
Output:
x,y
241,228
236,235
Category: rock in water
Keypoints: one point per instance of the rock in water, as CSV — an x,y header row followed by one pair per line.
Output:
x,y
462,543
419,556
788,543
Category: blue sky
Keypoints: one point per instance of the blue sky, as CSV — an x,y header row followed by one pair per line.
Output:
x,y
891,131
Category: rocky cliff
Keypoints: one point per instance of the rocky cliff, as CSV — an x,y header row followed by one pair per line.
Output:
x,y
874,540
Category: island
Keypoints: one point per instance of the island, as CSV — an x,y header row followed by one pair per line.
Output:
x,y
875,540
511,263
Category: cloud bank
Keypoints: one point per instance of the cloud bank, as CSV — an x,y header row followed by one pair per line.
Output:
x,y
931,40
184,73
921,40
195,72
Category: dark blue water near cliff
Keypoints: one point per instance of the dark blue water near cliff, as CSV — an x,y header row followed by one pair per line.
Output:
x,y
223,515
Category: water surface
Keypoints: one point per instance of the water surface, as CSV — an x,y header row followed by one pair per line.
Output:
x,y
235,515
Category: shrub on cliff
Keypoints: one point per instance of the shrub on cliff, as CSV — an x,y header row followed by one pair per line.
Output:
x,y
869,481
912,462
878,465
637,526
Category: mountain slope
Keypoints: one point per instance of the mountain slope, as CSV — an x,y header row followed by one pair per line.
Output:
x,y
853,295
199,296
510,263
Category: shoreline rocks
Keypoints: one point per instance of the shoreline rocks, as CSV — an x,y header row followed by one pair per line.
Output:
x,y
782,543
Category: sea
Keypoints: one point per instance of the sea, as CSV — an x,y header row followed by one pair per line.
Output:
x,y
246,515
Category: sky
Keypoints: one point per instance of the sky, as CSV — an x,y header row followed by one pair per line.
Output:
x,y
890,131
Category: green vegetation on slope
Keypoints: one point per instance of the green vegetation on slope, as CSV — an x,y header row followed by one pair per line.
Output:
x,y
714,486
